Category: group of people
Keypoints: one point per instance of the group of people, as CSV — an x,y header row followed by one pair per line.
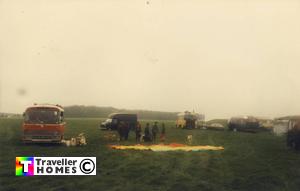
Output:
x,y
150,134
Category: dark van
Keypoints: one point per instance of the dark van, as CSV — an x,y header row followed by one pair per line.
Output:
x,y
114,119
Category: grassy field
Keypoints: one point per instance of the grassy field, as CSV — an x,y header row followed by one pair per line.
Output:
x,y
249,162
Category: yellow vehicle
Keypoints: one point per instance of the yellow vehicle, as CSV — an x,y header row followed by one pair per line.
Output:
x,y
188,120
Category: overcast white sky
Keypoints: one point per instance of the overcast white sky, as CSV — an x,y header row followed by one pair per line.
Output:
x,y
217,57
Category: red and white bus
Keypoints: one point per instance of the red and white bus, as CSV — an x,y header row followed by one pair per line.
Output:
x,y
43,123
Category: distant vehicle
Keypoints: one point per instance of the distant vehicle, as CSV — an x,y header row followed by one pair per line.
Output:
x,y
266,123
215,126
114,119
245,123
43,123
189,120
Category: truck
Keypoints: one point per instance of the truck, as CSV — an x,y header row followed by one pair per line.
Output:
x,y
189,120
43,123
115,119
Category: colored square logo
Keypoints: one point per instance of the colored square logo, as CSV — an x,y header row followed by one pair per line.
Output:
x,y
24,166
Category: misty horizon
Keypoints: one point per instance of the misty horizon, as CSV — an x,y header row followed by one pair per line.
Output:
x,y
136,109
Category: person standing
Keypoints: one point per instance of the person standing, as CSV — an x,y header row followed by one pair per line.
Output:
x,y
147,136
154,131
126,130
120,129
138,132
162,133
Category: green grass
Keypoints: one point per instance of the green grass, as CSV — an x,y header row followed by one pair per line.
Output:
x,y
249,162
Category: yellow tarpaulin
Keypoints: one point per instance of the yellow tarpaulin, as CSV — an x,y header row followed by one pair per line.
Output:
x,y
170,147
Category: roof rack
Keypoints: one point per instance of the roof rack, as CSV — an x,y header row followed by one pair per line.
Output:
x,y
57,105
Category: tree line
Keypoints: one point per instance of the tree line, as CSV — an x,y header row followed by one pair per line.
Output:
x,y
103,112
